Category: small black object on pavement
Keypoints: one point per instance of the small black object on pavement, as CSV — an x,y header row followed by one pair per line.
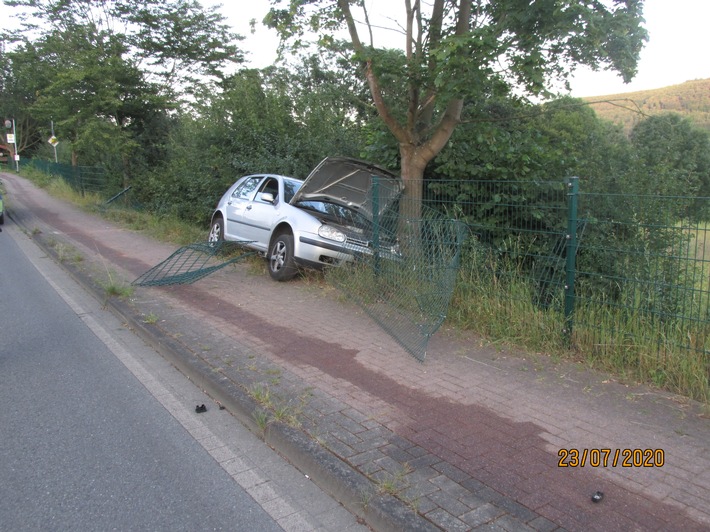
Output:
x,y
200,408
598,496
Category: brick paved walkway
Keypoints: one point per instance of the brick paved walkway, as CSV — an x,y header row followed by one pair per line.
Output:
x,y
468,440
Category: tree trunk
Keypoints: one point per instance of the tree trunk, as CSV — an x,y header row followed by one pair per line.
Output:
x,y
410,207
413,166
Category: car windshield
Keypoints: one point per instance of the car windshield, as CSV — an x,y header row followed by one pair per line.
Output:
x,y
337,213
291,186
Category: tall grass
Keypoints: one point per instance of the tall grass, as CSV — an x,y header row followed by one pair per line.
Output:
x,y
497,301
671,355
167,228
496,298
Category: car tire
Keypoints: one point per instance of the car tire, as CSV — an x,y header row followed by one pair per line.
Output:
x,y
216,231
282,266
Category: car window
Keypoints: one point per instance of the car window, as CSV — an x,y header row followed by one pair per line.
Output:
x,y
270,186
337,213
290,189
247,188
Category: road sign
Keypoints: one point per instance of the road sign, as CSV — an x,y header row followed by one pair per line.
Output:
x,y
53,140
11,138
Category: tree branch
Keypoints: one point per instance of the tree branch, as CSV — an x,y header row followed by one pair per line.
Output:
x,y
394,126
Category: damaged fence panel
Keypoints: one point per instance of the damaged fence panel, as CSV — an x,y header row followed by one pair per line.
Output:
x,y
406,288
193,262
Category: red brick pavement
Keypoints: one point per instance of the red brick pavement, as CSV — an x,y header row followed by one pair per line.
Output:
x,y
472,434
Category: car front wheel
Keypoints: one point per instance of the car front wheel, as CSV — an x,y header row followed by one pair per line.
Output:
x,y
282,265
216,231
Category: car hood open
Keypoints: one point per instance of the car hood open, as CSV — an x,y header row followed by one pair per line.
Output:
x,y
348,182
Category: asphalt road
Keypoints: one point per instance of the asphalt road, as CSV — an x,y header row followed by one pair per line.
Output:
x,y
97,432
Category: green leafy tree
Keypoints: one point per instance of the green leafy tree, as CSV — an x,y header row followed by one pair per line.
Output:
x,y
283,120
672,156
103,70
454,52
16,95
178,41
578,143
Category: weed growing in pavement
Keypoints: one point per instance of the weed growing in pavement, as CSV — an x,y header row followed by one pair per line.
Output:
x,y
319,439
276,376
365,498
396,482
285,413
413,504
280,410
66,253
261,395
150,319
117,290
261,417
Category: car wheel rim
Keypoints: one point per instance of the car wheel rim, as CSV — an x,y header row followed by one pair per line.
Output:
x,y
278,256
214,233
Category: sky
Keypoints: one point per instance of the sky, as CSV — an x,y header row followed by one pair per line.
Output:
x,y
677,50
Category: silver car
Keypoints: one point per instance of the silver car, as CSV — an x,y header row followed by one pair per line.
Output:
x,y
324,220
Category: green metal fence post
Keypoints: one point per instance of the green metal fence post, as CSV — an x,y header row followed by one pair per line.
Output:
x,y
570,266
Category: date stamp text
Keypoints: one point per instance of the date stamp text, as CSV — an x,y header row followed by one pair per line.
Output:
x,y
611,457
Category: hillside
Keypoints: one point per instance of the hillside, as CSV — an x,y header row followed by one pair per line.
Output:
x,y
690,99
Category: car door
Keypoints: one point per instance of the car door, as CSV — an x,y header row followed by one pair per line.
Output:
x,y
261,213
240,199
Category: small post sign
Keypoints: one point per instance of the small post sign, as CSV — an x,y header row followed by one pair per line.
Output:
x,y
53,140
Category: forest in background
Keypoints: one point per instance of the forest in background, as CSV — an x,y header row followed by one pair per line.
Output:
x,y
690,100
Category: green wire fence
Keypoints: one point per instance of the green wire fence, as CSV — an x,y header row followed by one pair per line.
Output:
x,y
622,276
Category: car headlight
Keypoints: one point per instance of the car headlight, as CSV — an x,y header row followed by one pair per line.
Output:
x,y
331,233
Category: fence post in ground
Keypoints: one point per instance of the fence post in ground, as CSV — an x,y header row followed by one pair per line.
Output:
x,y
571,252
376,222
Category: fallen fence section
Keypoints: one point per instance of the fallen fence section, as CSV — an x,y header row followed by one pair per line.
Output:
x,y
193,262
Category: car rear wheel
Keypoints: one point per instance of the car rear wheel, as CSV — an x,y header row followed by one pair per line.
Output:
x,y
216,231
282,265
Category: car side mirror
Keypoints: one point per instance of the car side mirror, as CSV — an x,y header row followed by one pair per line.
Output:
x,y
268,197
